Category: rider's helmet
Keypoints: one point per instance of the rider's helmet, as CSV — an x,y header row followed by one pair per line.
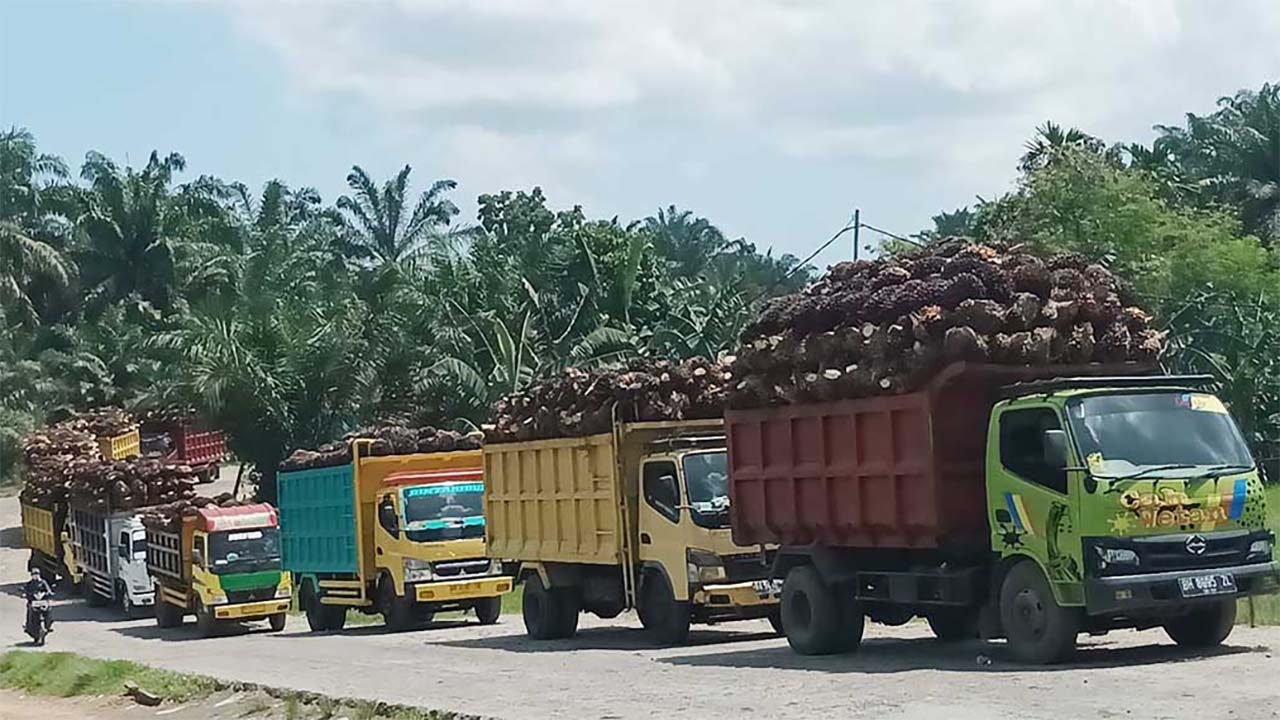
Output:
x,y
35,573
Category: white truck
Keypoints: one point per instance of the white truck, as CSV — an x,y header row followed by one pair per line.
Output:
x,y
111,549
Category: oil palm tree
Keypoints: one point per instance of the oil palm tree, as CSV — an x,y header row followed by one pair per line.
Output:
x,y
384,230
32,228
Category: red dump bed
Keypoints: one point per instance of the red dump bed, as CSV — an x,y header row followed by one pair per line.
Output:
x,y
900,471
195,445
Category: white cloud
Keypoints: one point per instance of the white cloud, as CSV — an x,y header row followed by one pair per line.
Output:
x,y
565,90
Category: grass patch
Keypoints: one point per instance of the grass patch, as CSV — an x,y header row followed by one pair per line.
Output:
x,y
64,674
69,675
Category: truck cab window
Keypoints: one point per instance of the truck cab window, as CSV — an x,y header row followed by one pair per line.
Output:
x,y
387,517
198,551
124,550
661,491
1022,447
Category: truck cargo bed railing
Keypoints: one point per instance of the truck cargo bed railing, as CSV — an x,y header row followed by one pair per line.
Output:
x,y
164,554
1035,387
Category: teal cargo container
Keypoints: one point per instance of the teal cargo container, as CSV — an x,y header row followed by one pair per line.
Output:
x,y
318,529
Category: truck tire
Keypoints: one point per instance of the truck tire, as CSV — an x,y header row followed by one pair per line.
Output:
x,y
665,619
397,612
321,617
167,615
953,624
278,621
549,613
489,610
775,621
1039,630
818,620
131,611
1205,626
206,623
90,594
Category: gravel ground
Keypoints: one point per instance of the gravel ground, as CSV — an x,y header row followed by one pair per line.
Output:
x,y
738,670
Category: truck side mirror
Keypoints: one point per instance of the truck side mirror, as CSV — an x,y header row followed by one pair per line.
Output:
x,y
1055,449
197,557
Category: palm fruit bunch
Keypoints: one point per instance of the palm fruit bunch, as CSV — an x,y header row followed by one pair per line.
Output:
x,y
577,402
874,327
169,517
387,439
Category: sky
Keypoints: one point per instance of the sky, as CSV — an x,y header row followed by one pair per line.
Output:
x,y
773,119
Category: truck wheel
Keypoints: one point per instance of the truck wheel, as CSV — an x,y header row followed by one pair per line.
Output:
x,y
1204,626
549,613
664,618
812,613
131,611
321,617
206,623
775,621
397,612
90,595
277,621
953,624
167,616
1039,630
489,610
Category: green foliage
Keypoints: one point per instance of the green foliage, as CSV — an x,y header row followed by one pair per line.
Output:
x,y
1214,287
289,322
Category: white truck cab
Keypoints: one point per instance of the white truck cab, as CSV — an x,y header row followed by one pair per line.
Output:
x,y
111,548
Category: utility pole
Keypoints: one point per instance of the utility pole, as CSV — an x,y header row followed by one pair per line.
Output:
x,y
857,225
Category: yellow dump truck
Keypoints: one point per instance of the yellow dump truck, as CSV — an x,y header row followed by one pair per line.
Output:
x,y
396,535
637,518
45,532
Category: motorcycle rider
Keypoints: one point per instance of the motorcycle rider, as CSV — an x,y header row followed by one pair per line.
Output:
x,y
34,588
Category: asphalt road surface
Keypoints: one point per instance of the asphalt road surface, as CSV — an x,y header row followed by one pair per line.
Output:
x,y
737,670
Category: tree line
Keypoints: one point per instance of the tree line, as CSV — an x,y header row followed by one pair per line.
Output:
x,y
288,320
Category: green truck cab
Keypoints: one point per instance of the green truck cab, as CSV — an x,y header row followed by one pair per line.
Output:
x,y
221,565
396,535
1138,501
1026,503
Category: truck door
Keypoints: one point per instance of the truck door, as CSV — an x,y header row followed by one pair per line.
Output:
x,y
661,540
1034,503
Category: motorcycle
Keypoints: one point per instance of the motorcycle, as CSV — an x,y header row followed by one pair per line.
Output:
x,y
38,618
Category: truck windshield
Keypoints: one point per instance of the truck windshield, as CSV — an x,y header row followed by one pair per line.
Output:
x,y
443,511
1161,434
244,551
707,483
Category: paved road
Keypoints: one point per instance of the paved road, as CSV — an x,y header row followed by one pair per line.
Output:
x,y
736,670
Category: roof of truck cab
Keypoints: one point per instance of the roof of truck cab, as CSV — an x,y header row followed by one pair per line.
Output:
x,y
259,515
1069,393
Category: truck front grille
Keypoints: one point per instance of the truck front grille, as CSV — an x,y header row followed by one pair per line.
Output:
x,y
1166,553
464,568
236,597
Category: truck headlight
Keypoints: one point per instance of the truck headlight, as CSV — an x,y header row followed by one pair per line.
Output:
x,y
1261,547
416,570
1117,556
495,567
283,592
704,567
217,598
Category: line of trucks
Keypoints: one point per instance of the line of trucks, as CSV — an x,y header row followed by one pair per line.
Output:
x,y
1027,503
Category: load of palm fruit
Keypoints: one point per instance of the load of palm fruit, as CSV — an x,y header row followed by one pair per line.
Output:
x,y
169,517
885,326
170,415
49,456
102,422
388,439
577,402
128,484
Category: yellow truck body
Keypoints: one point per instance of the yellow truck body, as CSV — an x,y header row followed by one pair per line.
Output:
x,y
45,533
38,531
396,535
122,446
573,515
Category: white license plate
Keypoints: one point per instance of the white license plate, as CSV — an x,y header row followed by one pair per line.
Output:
x,y
1212,584
767,588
